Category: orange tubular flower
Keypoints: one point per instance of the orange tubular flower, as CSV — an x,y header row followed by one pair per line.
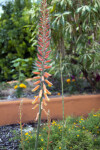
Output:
x,y
36,99
40,94
37,82
38,65
47,74
47,61
35,106
36,88
44,87
47,67
36,72
38,77
46,97
44,102
37,116
48,82
48,92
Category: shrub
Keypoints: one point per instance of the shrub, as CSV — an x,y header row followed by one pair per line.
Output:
x,y
79,134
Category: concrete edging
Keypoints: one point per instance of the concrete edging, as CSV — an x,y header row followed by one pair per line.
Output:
x,y
74,105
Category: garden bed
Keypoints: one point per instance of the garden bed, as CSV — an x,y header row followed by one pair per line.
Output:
x,y
74,106
79,133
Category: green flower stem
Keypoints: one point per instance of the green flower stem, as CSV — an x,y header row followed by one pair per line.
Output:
x,y
62,87
40,111
38,127
19,74
49,121
22,144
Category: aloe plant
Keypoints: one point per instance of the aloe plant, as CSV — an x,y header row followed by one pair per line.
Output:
x,y
42,64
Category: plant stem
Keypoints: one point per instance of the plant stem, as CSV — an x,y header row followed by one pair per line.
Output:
x,y
21,124
38,127
62,87
19,73
49,120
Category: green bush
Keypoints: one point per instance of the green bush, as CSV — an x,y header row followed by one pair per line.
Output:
x,y
79,134
15,35
92,123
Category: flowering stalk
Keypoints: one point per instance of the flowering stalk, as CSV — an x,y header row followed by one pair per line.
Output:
x,y
49,121
20,108
62,87
42,64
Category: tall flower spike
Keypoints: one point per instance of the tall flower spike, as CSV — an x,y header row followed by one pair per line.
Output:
x,y
43,53
42,64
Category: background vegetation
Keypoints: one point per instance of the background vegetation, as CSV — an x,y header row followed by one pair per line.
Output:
x,y
75,30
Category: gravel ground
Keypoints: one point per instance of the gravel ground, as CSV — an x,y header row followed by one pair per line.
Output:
x,y
7,141
7,136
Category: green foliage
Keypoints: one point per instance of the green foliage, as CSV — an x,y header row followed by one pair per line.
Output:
x,y
92,124
79,134
21,67
76,33
15,37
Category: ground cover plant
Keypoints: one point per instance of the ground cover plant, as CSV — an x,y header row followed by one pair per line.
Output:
x,y
79,134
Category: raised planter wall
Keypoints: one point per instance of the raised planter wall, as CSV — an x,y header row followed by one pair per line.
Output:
x,y
74,106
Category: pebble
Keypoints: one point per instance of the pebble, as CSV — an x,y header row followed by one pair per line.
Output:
x,y
8,134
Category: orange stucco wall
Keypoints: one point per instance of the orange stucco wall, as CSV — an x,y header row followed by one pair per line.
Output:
x,y
74,105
